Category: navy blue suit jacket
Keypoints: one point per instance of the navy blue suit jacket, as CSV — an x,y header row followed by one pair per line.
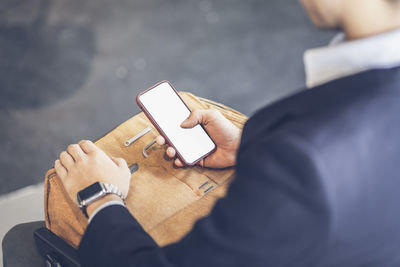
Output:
x,y
317,184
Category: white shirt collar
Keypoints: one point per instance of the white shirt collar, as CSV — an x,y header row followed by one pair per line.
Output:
x,y
343,58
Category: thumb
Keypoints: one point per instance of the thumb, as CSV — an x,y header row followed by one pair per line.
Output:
x,y
196,117
119,161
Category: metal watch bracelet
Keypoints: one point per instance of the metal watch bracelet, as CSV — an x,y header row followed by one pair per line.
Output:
x,y
112,189
106,189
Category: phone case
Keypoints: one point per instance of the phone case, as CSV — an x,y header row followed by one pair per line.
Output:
x,y
162,132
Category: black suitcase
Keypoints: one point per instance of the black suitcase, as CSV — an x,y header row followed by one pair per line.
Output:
x,y
55,251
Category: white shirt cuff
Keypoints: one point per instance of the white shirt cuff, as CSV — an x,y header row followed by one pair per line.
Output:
x,y
105,205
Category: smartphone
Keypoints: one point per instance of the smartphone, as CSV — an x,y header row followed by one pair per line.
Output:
x,y
166,110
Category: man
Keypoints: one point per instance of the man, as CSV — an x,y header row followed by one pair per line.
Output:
x,y
317,173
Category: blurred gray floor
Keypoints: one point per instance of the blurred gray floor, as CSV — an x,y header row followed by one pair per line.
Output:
x,y
70,69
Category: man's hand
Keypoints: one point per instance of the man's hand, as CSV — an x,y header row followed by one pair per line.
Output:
x,y
84,164
222,131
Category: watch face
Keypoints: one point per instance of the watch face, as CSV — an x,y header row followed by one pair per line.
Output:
x,y
90,191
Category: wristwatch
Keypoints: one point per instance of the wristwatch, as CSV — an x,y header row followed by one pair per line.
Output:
x,y
94,192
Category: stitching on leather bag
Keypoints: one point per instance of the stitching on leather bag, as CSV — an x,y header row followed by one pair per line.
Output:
x,y
46,200
225,183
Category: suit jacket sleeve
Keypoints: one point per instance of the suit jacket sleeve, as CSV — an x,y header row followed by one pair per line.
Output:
x,y
275,214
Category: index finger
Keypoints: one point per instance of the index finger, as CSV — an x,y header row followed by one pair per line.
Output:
x,y
88,146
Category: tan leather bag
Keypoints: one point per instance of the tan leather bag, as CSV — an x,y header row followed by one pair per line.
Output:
x,y
165,200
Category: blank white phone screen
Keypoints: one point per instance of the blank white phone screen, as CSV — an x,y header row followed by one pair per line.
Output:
x,y
168,111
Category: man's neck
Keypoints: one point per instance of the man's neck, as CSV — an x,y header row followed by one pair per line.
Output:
x,y
365,20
